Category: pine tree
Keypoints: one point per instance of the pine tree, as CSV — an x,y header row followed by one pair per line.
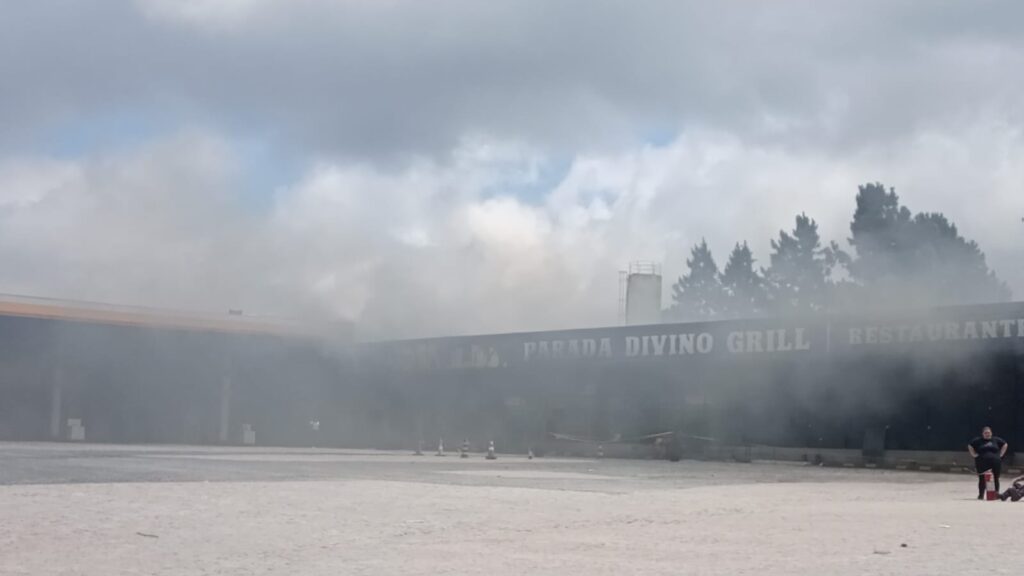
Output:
x,y
697,294
920,260
743,287
799,275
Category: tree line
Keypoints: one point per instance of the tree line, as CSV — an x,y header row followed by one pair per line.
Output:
x,y
895,259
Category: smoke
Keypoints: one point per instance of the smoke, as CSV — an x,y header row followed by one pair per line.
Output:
x,y
444,168
487,177
491,175
445,247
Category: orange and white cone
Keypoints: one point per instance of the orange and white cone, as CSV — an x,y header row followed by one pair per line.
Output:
x,y
464,451
490,451
529,454
990,486
600,451
440,447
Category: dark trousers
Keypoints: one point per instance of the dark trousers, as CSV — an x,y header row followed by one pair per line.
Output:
x,y
1014,494
985,463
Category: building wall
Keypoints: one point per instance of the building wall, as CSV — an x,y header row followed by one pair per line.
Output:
x,y
924,380
150,384
818,387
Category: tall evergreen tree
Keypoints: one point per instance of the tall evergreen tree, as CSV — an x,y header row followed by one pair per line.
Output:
x,y
698,293
880,230
743,287
799,275
920,259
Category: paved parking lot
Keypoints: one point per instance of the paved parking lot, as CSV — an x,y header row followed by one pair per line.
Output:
x,y
92,509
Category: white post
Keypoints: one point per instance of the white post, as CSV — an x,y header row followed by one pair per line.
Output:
x,y
55,403
225,408
248,435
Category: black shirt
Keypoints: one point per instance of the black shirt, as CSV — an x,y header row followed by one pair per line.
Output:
x,y
988,448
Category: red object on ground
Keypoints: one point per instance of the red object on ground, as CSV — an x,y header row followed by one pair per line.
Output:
x,y
990,486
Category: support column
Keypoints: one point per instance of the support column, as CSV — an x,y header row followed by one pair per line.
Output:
x,y
225,408
56,390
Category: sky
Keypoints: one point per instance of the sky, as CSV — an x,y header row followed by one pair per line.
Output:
x,y
456,166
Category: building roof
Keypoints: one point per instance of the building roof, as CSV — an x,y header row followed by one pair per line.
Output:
x,y
113,314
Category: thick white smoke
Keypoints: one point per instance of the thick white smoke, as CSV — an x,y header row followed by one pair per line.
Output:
x,y
442,247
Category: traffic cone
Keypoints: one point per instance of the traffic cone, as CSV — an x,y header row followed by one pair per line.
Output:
x,y
600,451
464,451
990,486
440,447
490,451
529,454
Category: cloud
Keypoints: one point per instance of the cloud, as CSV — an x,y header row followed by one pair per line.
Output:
x,y
385,81
431,249
458,166
211,15
156,225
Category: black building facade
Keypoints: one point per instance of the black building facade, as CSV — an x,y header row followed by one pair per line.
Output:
x,y
912,381
915,381
137,377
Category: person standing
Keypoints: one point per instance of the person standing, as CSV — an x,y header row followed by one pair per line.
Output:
x,y
987,451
